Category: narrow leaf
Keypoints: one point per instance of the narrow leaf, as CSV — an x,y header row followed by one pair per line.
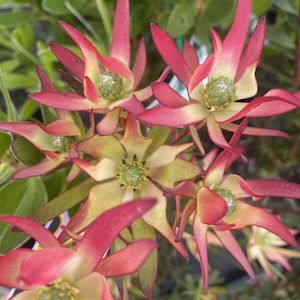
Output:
x,y
19,198
63,202
12,115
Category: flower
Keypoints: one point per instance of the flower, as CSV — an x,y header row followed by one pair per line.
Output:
x,y
217,202
57,272
56,140
265,247
132,167
230,76
103,88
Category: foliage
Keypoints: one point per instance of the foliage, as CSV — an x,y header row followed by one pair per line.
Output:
x,y
26,29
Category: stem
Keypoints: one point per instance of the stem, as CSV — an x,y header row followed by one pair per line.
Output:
x,y
184,132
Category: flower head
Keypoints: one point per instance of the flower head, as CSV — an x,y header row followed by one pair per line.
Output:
x,y
102,84
266,247
130,167
218,202
57,272
216,85
56,140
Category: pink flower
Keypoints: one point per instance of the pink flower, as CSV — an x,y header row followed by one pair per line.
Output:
x,y
217,202
56,272
266,247
102,84
56,140
230,72
131,167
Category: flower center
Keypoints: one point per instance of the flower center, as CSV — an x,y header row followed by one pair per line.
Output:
x,y
62,144
60,290
110,85
228,197
132,174
219,93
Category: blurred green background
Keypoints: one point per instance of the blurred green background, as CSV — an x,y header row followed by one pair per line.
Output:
x,y
26,29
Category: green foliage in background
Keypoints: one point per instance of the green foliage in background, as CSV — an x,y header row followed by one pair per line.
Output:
x,y
26,29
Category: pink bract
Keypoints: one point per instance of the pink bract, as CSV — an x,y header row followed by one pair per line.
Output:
x,y
230,71
81,271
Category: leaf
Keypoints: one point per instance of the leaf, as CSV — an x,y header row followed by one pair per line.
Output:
x,y
47,58
106,19
279,37
19,81
48,114
63,202
4,143
11,19
163,19
19,198
288,6
216,11
28,109
6,170
260,7
182,18
55,182
2,116
25,36
158,135
58,7
12,114
9,65
148,272
26,152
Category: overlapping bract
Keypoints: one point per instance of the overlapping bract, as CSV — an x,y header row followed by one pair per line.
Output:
x,y
230,72
217,202
130,157
81,272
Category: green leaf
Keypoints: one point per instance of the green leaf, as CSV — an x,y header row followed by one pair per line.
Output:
x,y
19,198
288,6
105,16
21,47
2,116
25,36
63,202
26,152
28,109
216,11
58,7
6,43
260,7
279,37
6,170
11,19
148,272
4,143
47,58
9,65
55,182
83,21
20,81
158,135
48,114
163,19
182,19
12,115
11,3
